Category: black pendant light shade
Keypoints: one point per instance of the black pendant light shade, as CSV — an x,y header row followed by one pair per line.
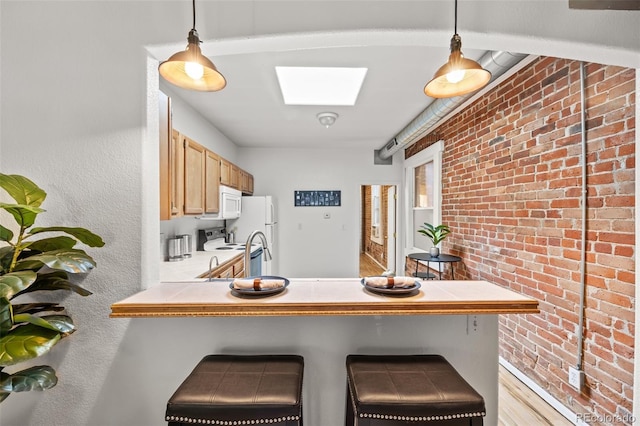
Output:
x,y
459,75
191,70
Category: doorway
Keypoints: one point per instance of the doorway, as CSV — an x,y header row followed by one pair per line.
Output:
x,y
377,230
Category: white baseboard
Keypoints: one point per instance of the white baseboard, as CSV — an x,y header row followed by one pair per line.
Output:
x,y
546,396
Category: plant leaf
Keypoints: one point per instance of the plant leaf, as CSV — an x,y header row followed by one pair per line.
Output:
x,y
3,377
50,244
61,323
56,280
39,377
6,254
26,342
14,282
23,214
84,235
5,234
34,308
70,260
23,190
6,315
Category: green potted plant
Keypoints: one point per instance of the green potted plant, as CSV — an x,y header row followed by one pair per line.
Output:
x,y
29,264
436,234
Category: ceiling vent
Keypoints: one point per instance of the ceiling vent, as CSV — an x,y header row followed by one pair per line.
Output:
x,y
391,144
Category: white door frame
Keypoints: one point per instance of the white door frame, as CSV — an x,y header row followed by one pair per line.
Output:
x,y
391,230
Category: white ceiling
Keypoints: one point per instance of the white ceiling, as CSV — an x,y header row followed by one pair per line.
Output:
x,y
400,61
250,110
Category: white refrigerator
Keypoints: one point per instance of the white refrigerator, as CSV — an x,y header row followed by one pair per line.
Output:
x,y
258,213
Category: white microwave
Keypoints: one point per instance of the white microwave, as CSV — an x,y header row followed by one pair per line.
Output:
x,y
230,203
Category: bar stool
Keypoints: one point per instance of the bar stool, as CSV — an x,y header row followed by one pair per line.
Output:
x,y
390,390
240,390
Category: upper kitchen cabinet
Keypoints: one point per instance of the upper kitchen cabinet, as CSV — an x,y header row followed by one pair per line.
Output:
x,y
190,174
194,177
171,164
233,176
246,182
229,174
212,183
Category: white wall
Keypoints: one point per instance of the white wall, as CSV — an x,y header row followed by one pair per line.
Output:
x,y
311,245
74,120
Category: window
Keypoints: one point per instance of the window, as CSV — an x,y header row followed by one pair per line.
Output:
x,y
423,181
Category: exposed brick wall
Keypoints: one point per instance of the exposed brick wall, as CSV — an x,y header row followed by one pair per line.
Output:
x,y
511,195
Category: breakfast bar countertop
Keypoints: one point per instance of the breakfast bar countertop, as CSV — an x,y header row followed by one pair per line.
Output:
x,y
322,297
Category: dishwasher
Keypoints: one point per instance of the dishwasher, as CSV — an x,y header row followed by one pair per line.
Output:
x,y
255,265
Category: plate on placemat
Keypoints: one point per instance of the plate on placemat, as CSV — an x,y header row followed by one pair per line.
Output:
x,y
394,291
263,292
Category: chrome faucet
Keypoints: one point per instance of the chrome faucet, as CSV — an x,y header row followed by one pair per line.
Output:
x,y
210,262
247,250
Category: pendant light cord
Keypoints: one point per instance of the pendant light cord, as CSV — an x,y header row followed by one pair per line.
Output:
x,y
193,2
455,23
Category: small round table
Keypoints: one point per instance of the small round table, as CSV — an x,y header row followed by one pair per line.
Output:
x,y
426,257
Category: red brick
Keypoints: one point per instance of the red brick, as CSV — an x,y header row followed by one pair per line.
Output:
x,y
623,338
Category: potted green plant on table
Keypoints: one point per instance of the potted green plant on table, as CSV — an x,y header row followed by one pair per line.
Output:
x,y
29,264
436,234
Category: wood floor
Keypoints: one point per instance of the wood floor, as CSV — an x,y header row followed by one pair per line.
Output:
x,y
517,404
368,267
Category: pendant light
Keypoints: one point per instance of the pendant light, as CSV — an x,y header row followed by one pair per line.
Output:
x,y
191,70
459,75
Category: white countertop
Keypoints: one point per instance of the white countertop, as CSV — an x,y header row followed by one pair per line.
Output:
x,y
317,296
192,267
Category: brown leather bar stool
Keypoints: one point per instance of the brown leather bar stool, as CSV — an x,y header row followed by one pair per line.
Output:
x,y
390,390
240,390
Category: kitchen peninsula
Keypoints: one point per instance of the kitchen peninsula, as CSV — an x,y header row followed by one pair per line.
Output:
x,y
326,319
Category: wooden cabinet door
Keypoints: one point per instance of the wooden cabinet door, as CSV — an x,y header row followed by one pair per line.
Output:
x,y
246,182
238,268
225,272
171,163
235,176
225,172
194,160
250,185
212,183
176,179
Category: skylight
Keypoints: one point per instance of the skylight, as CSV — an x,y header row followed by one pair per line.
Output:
x,y
320,85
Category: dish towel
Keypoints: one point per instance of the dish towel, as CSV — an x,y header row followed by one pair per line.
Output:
x,y
390,282
256,283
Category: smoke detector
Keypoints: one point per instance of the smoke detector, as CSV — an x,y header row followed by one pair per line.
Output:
x,y
327,118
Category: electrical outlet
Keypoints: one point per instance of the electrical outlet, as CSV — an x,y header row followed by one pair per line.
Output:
x,y
472,324
576,378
